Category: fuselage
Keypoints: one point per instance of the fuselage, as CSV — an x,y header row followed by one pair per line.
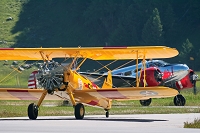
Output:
x,y
161,65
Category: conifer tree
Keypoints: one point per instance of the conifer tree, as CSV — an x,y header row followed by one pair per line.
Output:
x,y
152,33
186,53
187,48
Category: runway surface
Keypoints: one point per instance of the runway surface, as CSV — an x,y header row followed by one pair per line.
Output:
x,y
143,123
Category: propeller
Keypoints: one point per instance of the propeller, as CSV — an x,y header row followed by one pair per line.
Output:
x,y
194,79
177,76
158,75
50,76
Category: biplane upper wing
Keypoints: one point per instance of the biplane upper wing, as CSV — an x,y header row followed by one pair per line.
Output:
x,y
132,93
94,53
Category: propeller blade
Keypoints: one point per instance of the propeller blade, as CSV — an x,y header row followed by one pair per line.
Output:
x,y
195,79
194,87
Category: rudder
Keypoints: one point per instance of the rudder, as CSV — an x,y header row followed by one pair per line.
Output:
x,y
108,81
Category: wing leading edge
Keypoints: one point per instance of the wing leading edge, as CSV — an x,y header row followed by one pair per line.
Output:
x,y
94,53
130,93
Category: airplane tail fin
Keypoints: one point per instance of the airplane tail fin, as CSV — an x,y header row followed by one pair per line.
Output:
x,y
108,81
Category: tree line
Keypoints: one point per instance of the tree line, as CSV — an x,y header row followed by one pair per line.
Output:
x,y
73,23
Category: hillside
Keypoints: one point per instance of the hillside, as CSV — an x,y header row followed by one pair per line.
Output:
x,y
72,23
12,77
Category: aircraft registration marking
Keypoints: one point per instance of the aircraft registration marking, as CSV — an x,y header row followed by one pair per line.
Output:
x,y
149,93
80,84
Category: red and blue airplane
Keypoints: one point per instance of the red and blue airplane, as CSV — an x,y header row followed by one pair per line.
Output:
x,y
158,73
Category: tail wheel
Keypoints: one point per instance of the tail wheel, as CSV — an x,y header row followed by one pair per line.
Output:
x,y
32,111
145,102
79,111
179,100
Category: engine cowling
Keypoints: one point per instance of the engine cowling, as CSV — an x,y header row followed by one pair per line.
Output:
x,y
187,81
49,76
153,77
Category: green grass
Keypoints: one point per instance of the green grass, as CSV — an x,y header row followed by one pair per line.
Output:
x,y
9,8
10,77
194,124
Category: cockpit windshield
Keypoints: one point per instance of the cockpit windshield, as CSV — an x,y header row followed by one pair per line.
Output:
x,y
157,63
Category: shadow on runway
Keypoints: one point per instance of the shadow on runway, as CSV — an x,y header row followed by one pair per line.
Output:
x,y
87,119
124,120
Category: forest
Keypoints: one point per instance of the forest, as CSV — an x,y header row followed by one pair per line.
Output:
x,y
94,23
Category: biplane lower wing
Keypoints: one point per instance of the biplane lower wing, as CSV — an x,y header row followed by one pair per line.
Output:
x,y
27,94
97,97
136,93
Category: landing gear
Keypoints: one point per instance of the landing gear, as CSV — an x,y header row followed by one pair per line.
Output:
x,y
33,108
107,113
32,111
145,102
179,100
79,111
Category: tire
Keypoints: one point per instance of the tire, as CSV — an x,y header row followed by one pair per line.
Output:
x,y
32,111
145,102
79,111
179,100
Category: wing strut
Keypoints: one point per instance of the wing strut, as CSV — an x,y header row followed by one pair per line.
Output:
x,y
71,96
42,97
81,63
137,80
144,65
105,66
43,57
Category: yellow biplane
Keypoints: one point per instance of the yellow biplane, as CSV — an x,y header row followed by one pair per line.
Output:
x,y
64,82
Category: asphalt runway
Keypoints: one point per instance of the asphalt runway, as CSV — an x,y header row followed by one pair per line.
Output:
x,y
143,123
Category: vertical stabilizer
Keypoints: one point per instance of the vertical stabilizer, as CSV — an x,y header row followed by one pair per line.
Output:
x,y
108,81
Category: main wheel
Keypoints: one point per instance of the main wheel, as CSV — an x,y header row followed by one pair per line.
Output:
x,y
179,100
32,111
79,111
145,102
